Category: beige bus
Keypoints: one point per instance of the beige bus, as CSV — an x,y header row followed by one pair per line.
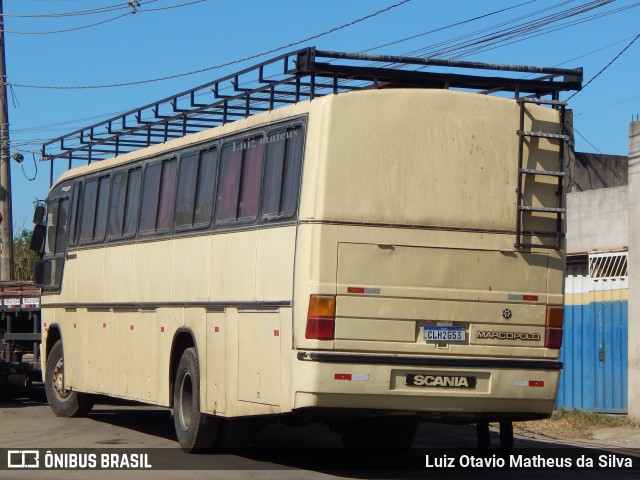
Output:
x,y
367,259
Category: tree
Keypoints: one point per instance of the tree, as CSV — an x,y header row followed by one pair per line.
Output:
x,y
24,259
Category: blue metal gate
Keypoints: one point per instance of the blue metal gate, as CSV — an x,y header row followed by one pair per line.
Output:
x,y
594,350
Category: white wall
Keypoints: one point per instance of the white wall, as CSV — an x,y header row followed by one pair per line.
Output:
x,y
634,271
597,220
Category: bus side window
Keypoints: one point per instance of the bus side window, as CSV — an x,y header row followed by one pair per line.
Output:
x,y
74,219
125,199
196,184
251,181
240,179
94,210
158,195
229,183
282,174
100,227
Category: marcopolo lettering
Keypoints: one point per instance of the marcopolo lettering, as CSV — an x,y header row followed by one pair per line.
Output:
x,y
526,336
441,381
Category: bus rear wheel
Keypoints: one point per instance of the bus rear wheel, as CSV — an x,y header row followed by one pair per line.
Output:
x,y
195,430
63,402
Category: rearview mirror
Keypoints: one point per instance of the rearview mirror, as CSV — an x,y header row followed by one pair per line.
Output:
x,y
37,238
38,215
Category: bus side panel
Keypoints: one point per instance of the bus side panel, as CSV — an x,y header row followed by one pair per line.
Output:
x,y
190,260
232,269
217,380
259,359
119,273
100,345
90,270
127,337
274,264
152,272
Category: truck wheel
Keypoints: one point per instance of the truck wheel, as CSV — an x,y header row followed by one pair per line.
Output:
x,y
63,402
195,430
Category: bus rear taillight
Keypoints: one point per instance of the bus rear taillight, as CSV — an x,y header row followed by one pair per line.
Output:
x,y
553,330
321,318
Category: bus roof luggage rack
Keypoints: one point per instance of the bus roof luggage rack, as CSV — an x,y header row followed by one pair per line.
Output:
x,y
287,79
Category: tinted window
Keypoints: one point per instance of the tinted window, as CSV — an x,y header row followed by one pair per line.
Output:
x,y
88,210
282,173
158,195
251,180
187,189
101,209
123,210
132,203
229,183
116,209
206,187
167,194
150,192
73,222
196,185
292,171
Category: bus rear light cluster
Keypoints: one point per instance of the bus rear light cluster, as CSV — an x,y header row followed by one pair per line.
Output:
x,y
321,317
553,330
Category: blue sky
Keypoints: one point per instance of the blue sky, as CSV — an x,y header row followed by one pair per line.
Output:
x,y
158,43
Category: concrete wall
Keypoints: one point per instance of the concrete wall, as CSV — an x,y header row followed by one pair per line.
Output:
x,y
597,220
590,171
634,271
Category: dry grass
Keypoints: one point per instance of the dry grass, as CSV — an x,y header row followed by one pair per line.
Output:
x,y
565,424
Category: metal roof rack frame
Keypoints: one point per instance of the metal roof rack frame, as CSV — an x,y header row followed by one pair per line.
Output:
x,y
300,75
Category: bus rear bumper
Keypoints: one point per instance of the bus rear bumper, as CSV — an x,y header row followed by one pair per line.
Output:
x,y
449,389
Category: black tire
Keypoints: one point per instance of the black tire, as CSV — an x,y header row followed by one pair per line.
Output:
x,y
379,433
64,403
195,430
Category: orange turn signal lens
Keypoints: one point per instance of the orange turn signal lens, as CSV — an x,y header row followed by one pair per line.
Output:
x,y
323,306
555,316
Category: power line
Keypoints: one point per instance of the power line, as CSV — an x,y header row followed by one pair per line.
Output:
x,y
543,31
69,29
610,104
462,22
134,11
606,66
93,11
215,67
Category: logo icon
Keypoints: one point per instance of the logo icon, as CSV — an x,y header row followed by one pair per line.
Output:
x,y
23,459
506,313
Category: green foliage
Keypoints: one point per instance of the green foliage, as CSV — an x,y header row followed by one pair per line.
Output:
x,y
581,420
23,258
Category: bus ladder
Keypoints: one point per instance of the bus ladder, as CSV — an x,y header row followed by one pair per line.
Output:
x,y
524,172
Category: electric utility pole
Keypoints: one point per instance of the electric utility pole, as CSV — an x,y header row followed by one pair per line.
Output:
x,y
6,228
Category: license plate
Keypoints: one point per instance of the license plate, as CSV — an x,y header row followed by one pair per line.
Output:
x,y
440,381
444,334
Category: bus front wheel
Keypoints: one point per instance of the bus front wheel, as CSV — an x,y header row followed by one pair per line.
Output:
x,y
62,401
195,430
